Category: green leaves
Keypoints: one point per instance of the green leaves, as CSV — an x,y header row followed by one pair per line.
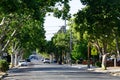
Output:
x,y
32,35
26,17
79,50
98,18
98,22
62,10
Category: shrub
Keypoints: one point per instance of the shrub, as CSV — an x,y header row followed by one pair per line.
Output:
x,y
110,63
85,62
118,63
4,66
98,64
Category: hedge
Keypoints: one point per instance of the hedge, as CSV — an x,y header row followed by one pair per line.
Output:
x,y
4,66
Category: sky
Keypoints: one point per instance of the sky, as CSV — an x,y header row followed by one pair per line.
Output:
x,y
52,24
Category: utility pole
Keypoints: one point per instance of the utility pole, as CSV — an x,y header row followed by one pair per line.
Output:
x,y
88,54
70,62
65,25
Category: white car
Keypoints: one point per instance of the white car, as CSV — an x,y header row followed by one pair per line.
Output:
x,y
22,63
46,60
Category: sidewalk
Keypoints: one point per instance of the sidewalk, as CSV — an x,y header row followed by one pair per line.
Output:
x,y
114,71
3,74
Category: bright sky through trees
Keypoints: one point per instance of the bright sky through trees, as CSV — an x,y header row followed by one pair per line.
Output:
x,y
52,24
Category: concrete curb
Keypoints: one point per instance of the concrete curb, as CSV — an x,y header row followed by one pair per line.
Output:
x,y
111,71
6,74
114,71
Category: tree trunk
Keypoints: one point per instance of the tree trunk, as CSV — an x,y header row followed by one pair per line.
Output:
x,y
103,53
118,53
12,60
8,41
104,60
16,59
88,62
115,62
117,44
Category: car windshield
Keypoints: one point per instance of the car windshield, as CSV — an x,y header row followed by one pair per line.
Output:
x,y
47,59
22,61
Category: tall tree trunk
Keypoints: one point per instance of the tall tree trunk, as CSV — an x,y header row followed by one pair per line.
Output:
x,y
117,50
8,41
99,49
88,62
117,46
12,60
16,59
103,53
104,56
104,60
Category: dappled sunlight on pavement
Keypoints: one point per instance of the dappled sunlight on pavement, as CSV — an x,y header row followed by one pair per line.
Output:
x,y
114,71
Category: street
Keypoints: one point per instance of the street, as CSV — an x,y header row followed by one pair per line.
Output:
x,y
55,72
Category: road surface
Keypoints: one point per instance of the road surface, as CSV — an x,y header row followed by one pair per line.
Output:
x,y
55,72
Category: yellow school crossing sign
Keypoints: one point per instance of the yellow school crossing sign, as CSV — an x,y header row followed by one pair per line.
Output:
x,y
93,51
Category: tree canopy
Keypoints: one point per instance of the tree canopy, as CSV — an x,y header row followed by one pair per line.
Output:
x,y
99,20
24,20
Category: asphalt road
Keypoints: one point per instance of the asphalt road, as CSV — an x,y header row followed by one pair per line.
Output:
x,y
55,72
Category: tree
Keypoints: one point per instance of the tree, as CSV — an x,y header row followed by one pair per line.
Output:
x,y
35,9
25,19
79,51
61,42
92,20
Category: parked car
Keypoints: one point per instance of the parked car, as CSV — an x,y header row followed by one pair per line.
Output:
x,y
33,57
28,60
22,63
54,61
46,60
